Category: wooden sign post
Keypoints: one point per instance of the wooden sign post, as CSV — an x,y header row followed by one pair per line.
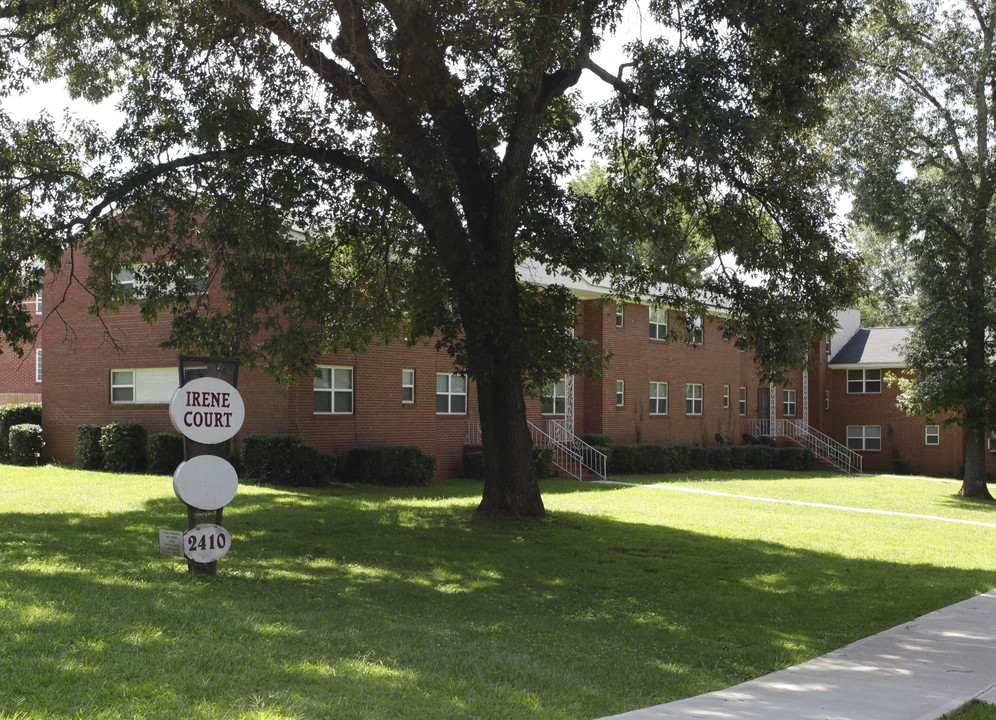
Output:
x,y
208,411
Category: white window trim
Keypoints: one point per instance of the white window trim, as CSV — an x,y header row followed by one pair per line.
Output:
x,y
407,386
656,325
864,381
620,393
620,315
726,397
333,391
655,386
864,438
696,333
38,365
149,386
450,394
742,401
935,435
790,406
552,402
691,400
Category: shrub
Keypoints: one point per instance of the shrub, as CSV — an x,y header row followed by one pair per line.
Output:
x,y
598,440
795,458
761,457
389,465
25,443
11,415
625,460
543,461
165,453
123,446
721,458
285,460
473,463
88,447
901,466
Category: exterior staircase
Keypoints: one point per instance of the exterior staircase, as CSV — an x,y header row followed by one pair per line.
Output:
x,y
824,447
571,456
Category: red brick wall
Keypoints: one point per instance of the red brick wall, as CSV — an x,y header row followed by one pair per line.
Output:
x,y
18,383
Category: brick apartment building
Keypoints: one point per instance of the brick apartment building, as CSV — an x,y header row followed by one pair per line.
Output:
x,y
653,391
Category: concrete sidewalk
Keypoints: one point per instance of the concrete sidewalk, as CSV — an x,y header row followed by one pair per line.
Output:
x,y
920,670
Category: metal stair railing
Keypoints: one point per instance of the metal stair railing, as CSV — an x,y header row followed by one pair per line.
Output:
x,y
823,446
571,455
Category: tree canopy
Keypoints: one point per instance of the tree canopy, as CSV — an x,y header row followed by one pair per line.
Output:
x,y
423,148
917,134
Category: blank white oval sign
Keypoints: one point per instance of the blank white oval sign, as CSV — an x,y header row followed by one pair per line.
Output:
x,y
205,482
206,543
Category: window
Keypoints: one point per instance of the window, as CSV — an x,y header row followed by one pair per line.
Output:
x,y
932,435
827,401
864,381
38,365
144,385
693,325
726,396
555,398
126,279
658,323
864,437
693,399
196,283
658,398
743,401
619,315
38,304
620,393
333,391
451,394
788,402
408,386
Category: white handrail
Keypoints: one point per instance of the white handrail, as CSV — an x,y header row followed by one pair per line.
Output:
x,y
824,446
571,455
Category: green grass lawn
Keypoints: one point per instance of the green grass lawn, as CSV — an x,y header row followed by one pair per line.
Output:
x,y
398,603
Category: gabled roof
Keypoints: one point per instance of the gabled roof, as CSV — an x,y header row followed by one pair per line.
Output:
x,y
873,347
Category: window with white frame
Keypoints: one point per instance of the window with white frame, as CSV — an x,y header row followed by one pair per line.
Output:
x,y
658,323
38,366
451,394
555,398
153,386
38,303
693,326
619,314
864,437
726,397
788,402
333,390
864,381
658,398
620,393
408,386
932,435
693,399
743,401
132,279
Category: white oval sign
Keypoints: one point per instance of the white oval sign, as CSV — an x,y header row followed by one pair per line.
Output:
x,y
205,482
207,410
206,543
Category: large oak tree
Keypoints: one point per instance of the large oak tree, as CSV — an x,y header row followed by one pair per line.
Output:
x,y
918,137
424,148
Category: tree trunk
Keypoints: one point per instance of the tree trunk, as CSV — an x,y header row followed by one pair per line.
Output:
x,y
510,486
974,484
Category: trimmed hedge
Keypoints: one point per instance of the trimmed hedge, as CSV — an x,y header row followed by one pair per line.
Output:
x,y
285,459
596,439
165,452
123,446
11,415
473,463
88,447
389,465
25,443
656,459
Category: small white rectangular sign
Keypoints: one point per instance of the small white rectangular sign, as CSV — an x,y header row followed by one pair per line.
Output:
x,y
171,542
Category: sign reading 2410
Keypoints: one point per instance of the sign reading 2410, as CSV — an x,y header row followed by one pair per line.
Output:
x,y
207,410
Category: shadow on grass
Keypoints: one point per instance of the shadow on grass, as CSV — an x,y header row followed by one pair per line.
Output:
x,y
383,604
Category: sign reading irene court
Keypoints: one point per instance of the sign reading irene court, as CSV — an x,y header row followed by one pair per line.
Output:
x,y
207,410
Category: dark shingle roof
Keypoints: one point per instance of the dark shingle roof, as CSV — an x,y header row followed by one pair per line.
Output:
x,y
873,346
